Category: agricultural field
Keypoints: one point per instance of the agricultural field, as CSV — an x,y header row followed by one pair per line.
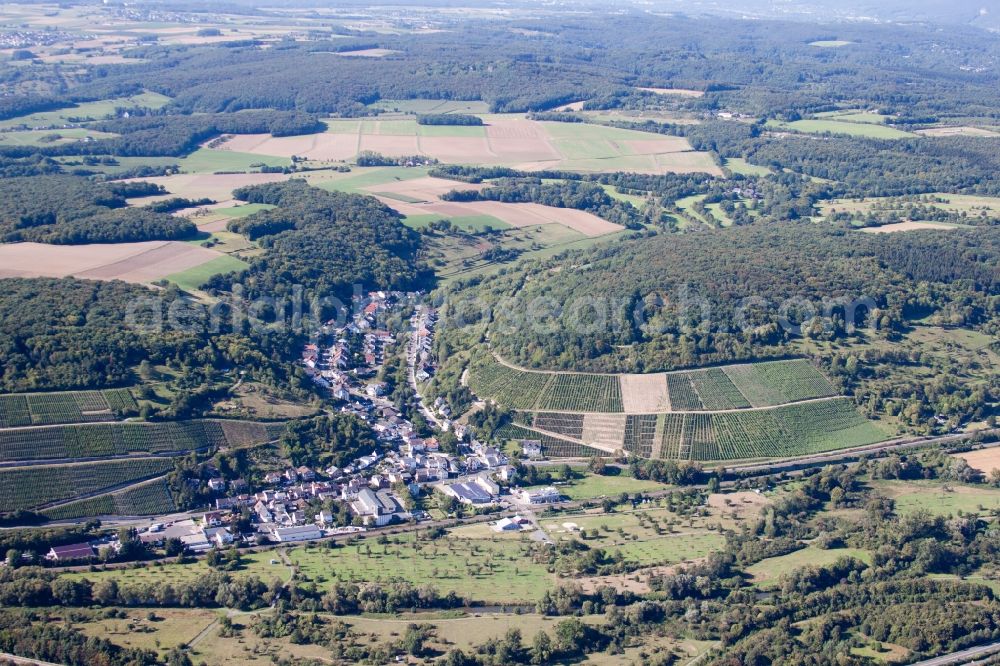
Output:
x,y
507,139
763,384
582,393
779,432
422,106
36,486
25,409
143,499
141,262
970,205
108,439
254,564
778,382
821,126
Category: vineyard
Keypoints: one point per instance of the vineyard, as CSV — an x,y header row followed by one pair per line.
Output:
x,y
787,431
779,382
765,384
109,439
717,391
518,389
144,499
640,433
30,487
582,393
27,409
509,387
682,394
552,447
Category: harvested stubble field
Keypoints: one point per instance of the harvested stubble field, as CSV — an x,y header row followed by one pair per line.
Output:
x,y
131,262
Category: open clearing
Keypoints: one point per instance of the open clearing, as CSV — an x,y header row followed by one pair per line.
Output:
x,y
131,262
681,92
958,131
830,43
367,53
939,498
908,226
506,139
767,571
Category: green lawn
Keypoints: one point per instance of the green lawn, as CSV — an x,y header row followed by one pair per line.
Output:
x,y
193,278
766,572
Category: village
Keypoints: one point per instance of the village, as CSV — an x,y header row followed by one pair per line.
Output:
x,y
387,486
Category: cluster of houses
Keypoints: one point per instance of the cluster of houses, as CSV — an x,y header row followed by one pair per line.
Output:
x,y
424,320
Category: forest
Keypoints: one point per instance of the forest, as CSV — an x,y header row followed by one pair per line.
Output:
x,y
324,242
73,210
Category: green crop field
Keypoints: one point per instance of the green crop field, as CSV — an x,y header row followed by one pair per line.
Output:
x,y
106,439
593,486
30,487
552,447
838,127
86,111
193,278
207,160
24,409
